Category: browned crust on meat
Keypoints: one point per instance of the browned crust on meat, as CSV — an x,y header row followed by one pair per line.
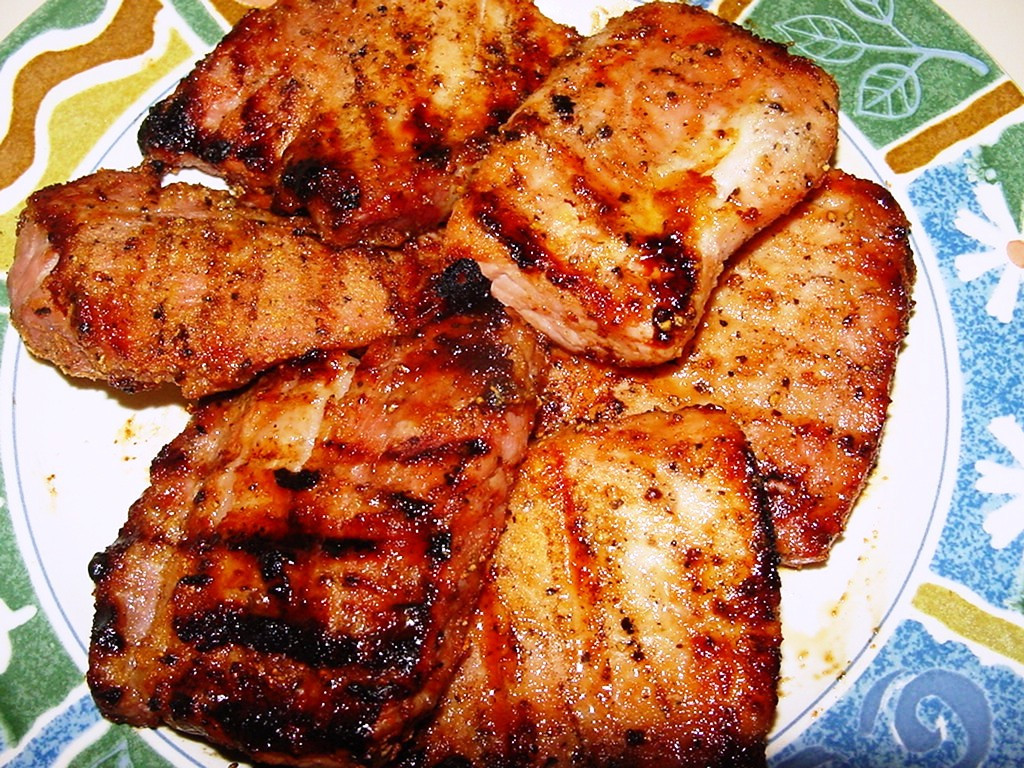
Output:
x,y
633,614
799,343
374,135
624,182
295,583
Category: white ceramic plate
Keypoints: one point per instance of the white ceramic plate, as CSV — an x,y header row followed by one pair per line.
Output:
x,y
906,649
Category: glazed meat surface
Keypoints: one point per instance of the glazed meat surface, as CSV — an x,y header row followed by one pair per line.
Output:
x,y
120,279
296,582
799,344
622,184
368,115
632,616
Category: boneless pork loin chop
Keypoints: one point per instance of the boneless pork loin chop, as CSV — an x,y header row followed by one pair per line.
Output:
x,y
799,343
632,616
296,583
622,184
122,279
368,115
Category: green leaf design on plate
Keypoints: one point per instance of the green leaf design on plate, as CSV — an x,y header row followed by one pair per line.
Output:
x,y
878,12
120,747
823,38
898,65
889,91
999,163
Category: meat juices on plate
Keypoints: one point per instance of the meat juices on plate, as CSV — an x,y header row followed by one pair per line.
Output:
x,y
632,616
296,582
120,279
799,343
622,184
368,115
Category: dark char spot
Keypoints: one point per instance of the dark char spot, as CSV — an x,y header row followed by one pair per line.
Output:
x,y
464,288
310,178
563,105
409,506
345,547
168,127
226,625
434,155
440,546
303,480
670,258
195,580
99,566
401,647
635,737
109,695
106,637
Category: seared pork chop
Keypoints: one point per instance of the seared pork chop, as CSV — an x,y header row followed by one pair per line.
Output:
x,y
632,619
120,279
368,115
296,582
622,184
799,344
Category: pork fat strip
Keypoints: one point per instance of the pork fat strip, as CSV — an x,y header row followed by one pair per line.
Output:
x,y
799,344
633,614
625,181
118,279
368,115
296,582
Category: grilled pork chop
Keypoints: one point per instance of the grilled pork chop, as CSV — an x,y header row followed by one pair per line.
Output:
x,y
799,344
120,279
632,619
368,115
296,582
623,183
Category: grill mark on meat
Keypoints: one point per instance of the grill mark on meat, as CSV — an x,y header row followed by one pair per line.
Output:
x,y
632,612
515,234
409,506
121,279
643,137
374,136
228,625
317,613
799,342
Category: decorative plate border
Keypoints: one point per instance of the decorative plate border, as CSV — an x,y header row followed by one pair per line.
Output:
x,y
944,683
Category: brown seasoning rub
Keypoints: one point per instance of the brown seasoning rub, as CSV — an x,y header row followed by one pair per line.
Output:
x,y
367,115
799,343
296,582
632,617
123,280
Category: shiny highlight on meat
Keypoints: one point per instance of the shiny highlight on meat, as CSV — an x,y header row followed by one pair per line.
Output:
x,y
625,181
373,136
295,584
632,613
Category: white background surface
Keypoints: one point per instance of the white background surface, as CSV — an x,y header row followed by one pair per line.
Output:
x,y
997,24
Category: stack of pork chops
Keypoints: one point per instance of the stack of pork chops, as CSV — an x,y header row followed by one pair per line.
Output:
x,y
517,361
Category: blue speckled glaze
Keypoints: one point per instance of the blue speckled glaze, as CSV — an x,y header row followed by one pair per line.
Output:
x,y
990,350
45,746
922,703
